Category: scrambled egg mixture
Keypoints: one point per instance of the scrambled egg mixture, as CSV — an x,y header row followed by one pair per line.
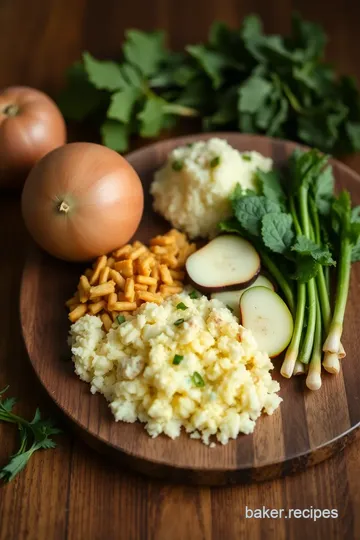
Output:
x,y
186,362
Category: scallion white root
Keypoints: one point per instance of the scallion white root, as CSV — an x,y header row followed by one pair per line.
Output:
x,y
331,363
299,368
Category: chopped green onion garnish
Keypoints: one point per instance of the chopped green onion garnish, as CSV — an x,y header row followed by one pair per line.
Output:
x,y
177,165
193,295
177,359
120,319
230,308
246,157
182,306
215,162
198,380
178,322
190,144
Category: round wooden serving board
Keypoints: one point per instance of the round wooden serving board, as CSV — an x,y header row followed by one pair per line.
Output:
x,y
307,428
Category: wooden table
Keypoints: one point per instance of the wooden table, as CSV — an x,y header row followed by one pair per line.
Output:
x,y
71,492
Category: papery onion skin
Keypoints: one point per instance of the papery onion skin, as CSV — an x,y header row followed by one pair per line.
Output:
x,y
31,125
81,201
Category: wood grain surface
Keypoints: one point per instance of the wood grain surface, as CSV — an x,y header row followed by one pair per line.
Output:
x,y
307,428
72,492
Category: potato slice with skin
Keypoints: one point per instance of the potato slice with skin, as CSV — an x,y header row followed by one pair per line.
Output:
x,y
227,262
232,298
264,313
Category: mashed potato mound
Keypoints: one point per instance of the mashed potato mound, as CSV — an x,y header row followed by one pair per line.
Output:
x,y
170,367
192,189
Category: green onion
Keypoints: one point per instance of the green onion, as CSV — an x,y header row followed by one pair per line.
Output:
x,y
198,380
214,162
177,359
120,319
246,157
230,308
178,322
194,294
181,306
177,165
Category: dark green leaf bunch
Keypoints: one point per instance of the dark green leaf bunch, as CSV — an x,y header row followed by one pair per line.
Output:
x,y
241,79
34,435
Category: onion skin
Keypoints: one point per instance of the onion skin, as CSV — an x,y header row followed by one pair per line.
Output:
x,y
31,125
81,201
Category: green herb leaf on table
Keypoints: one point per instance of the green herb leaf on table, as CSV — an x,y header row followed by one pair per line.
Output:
x,y
238,79
144,50
152,116
104,75
122,104
252,94
34,435
115,135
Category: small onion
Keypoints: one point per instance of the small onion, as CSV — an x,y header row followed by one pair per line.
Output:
x,y
31,125
81,201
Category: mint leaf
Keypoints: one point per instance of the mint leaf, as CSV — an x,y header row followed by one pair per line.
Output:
x,y
277,232
122,104
212,62
144,50
252,94
270,185
306,247
251,210
152,117
115,135
306,269
105,75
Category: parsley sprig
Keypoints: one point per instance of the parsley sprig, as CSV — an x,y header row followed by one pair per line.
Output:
x,y
34,435
240,79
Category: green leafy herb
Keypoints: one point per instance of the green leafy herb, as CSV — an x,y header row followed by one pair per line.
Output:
x,y
177,165
177,359
215,162
178,322
121,319
194,295
245,157
197,379
277,232
239,79
250,211
305,246
34,435
181,306
230,308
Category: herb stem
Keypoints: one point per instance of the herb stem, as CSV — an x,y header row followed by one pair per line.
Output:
x,y
313,379
307,346
292,352
332,342
279,278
